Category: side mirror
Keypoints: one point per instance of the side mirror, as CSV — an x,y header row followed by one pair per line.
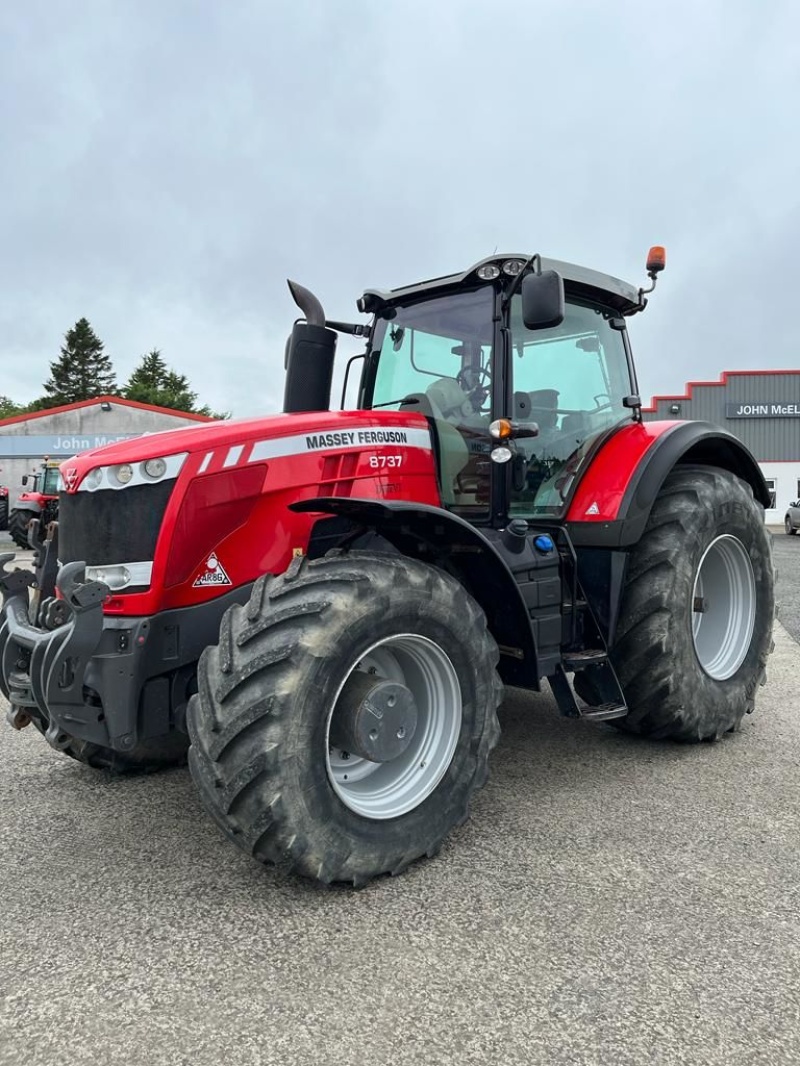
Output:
x,y
542,300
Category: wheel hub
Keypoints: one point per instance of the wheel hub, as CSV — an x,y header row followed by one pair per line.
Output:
x,y
427,708
374,718
723,607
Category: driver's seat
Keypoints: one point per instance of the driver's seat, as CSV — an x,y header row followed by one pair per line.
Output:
x,y
453,451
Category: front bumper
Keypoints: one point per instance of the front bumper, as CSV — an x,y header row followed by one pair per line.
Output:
x,y
45,671
109,680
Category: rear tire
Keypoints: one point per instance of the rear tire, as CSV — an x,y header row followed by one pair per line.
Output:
x,y
3,513
695,625
18,527
262,757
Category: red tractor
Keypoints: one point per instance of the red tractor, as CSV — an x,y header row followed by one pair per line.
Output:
x,y
324,606
40,502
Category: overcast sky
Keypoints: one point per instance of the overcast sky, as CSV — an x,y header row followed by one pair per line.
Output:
x,y
166,164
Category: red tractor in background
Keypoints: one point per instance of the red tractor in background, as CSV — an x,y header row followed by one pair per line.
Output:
x,y
324,606
40,502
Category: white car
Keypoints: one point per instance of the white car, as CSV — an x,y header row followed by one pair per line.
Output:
x,y
791,522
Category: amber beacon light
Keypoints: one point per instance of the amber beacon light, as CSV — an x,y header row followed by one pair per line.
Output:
x,y
656,259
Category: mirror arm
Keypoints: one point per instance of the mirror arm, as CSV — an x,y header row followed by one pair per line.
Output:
x,y
535,261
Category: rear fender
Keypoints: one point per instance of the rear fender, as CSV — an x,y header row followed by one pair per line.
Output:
x,y
29,501
612,502
442,539
611,505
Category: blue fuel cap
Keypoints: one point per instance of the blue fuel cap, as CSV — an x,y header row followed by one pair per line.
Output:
x,y
543,543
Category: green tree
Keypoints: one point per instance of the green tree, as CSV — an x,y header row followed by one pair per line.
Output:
x,y
83,370
153,382
8,408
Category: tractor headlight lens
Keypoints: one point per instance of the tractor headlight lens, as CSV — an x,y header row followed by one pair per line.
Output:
x,y
155,468
488,272
512,267
130,475
501,454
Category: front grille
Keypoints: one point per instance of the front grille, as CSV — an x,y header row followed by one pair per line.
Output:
x,y
112,526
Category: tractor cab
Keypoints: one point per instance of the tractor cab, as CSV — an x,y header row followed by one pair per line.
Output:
x,y
46,481
516,405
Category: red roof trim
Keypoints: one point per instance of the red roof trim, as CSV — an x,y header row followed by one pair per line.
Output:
x,y
691,385
103,399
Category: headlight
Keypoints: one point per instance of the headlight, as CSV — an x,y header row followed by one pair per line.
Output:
x,y
512,267
155,468
501,454
128,475
488,272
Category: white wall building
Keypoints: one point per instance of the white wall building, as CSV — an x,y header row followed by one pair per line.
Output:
x,y
762,409
60,432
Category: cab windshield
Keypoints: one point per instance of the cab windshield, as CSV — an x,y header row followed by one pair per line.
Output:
x,y
435,357
51,482
570,381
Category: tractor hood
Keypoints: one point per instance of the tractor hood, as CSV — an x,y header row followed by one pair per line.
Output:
x,y
242,439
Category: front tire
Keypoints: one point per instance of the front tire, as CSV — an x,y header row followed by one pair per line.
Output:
x,y
787,525
18,522
695,624
149,756
266,726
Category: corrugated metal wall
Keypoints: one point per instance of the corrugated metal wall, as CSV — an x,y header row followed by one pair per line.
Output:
x,y
768,438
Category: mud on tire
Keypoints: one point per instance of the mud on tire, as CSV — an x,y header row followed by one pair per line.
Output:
x,y
261,755
656,656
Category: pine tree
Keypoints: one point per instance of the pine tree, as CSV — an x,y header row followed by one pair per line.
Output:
x,y
153,382
83,371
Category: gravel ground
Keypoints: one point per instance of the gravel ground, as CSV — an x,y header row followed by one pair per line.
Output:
x,y
611,901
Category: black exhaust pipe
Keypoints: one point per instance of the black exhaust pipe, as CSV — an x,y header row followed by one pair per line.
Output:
x,y
310,352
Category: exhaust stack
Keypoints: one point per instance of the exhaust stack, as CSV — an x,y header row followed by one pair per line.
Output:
x,y
310,352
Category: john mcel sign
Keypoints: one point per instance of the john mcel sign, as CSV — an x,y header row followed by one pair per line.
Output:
x,y
762,410
65,444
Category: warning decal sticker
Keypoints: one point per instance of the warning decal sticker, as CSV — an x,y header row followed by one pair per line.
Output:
x,y
213,574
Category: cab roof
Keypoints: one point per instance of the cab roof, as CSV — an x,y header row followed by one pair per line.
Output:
x,y
581,281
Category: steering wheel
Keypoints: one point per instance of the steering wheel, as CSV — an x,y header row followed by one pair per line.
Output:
x,y
602,406
476,381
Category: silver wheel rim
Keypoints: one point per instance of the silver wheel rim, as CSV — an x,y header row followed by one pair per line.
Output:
x,y
390,789
724,607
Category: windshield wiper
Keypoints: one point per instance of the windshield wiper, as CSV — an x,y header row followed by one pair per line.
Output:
x,y
405,399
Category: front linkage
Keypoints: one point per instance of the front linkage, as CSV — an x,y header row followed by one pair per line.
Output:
x,y
42,667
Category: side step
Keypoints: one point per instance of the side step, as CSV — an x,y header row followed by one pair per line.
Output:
x,y
579,660
568,702
604,712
